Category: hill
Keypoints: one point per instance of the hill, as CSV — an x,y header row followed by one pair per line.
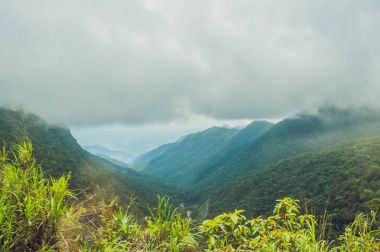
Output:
x,y
184,162
343,180
233,174
206,160
59,153
294,135
175,162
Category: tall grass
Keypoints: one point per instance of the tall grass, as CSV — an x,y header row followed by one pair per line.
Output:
x,y
34,211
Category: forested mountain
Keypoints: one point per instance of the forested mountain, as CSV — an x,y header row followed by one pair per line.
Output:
x,y
343,180
202,162
60,154
147,157
289,137
178,160
244,170
185,161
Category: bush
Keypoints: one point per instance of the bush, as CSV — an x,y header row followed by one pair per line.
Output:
x,y
34,211
285,230
164,230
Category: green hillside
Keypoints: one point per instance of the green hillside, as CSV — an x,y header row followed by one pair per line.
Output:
x,y
209,161
186,162
289,137
176,164
59,153
343,180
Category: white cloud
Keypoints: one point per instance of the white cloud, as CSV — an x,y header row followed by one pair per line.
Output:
x,y
144,62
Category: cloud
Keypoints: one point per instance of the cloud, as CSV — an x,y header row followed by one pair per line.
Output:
x,y
140,62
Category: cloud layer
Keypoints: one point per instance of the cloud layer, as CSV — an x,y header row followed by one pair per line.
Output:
x,y
138,62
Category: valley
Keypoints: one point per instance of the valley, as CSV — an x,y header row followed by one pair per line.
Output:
x,y
229,168
329,161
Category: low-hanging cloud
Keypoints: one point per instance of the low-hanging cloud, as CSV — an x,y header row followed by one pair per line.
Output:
x,y
97,62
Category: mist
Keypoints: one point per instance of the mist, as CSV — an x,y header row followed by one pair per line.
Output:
x,y
91,63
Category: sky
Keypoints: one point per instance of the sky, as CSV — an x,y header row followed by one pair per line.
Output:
x,y
167,67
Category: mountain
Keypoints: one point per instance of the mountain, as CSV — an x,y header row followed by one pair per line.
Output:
x,y
183,162
200,163
294,135
177,161
59,153
248,134
227,172
342,179
109,154
159,151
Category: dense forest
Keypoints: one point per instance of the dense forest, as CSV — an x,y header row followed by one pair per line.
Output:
x,y
342,180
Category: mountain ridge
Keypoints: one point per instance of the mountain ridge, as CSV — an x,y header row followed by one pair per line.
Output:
x,y
60,154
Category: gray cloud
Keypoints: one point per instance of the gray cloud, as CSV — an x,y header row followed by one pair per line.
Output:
x,y
97,62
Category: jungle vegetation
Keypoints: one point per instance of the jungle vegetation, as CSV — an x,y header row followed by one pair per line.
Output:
x,y
40,213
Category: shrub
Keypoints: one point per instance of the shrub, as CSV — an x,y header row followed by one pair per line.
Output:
x,y
34,211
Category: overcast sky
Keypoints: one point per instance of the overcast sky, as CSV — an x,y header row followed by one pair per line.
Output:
x,y
145,63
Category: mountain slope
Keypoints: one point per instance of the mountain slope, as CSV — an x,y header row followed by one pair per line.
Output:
x,y
183,162
291,136
155,153
177,161
60,154
343,179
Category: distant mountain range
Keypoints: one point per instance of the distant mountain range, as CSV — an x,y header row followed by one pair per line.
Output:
x,y
117,157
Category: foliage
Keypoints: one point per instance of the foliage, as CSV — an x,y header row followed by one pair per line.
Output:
x,y
285,230
359,236
37,213
164,230
34,211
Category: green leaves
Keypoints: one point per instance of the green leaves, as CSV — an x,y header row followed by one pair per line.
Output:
x,y
360,236
32,206
35,214
286,230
